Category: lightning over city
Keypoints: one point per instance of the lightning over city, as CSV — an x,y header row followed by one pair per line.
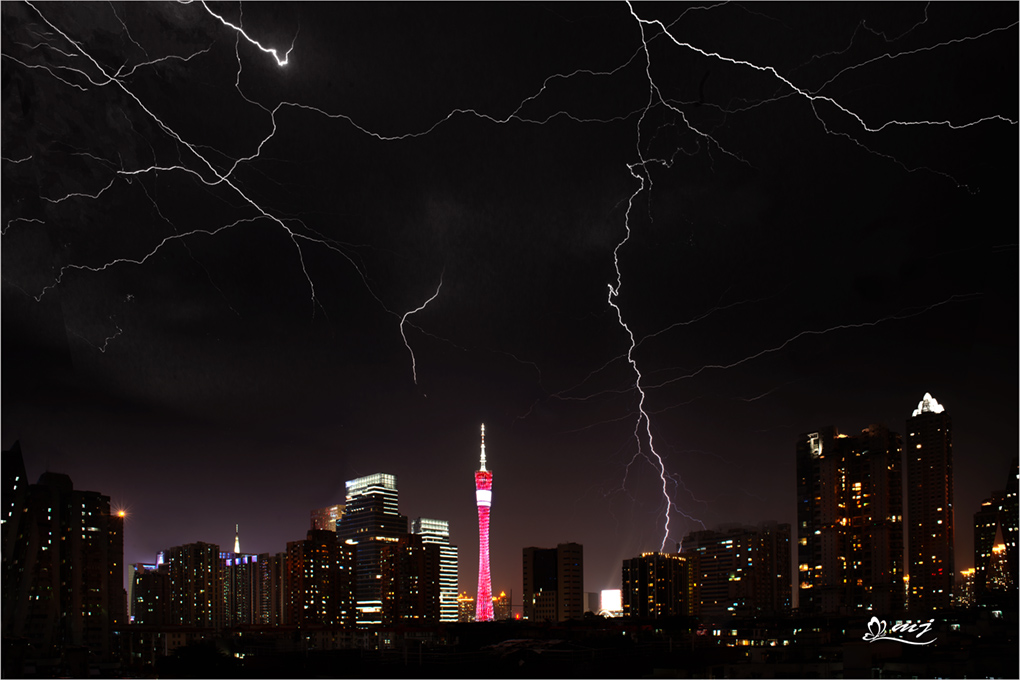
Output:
x,y
284,258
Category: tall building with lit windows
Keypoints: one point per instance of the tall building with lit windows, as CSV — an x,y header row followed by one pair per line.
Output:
x,y
318,581
370,521
742,571
437,531
63,566
196,585
410,581
930,506
660,585
850,521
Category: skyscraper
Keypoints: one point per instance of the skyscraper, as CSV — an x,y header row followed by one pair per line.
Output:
x,y
370,521
483,497
554,582
850,521
437,531
930,506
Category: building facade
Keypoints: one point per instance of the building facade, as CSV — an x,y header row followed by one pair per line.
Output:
x,y
554,582
410,582
930,506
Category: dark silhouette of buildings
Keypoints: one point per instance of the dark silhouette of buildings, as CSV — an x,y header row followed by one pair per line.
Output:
x,y
850,521
63,565
660,585
930,506
742,571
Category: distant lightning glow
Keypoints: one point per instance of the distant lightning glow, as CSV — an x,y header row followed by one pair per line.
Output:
x,y
414,368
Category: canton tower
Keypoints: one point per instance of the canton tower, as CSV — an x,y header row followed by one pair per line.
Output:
x,y
483,497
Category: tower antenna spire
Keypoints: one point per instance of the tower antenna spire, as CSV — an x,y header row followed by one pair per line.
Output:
x,y
483,448
237,538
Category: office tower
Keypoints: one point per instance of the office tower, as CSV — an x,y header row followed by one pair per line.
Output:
x,y
465,608
930,506
63,563
966,591
742,571
658,585
196,585
554,582
437,531
149,595
325,519
483,498
410,581
319,580
850,521
370,521
272,590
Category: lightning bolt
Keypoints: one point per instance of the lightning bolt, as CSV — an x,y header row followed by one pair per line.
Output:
x,y
414,365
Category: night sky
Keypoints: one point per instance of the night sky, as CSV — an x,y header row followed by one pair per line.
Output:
x,y
807,214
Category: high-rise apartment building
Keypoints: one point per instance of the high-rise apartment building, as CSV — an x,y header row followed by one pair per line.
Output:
x,y
319,581
149,596
502,608
659,585
483,499
325,519
62,563
742,571
850,521
1010,518
930,506
437,532
370,521
554,582
196,585
272,590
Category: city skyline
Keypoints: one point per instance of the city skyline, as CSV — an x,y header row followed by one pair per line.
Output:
x,y
648,246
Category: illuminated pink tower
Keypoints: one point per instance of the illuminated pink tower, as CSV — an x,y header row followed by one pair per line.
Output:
x,y
483,497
